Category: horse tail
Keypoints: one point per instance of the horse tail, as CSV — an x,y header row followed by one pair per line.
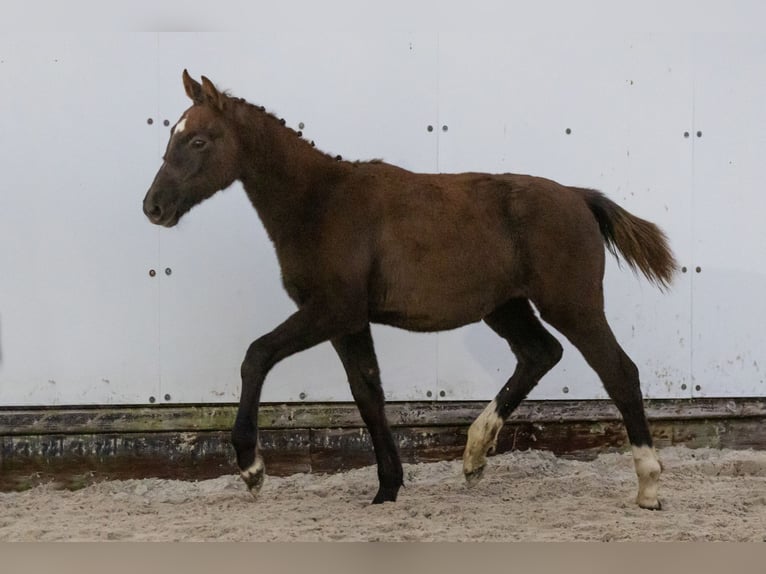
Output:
x,y
642,244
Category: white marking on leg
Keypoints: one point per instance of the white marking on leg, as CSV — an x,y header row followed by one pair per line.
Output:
x,y
256,471
482,437
256,467
648,469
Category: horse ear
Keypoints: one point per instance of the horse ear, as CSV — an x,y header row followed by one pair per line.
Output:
x,y
193,88
212,95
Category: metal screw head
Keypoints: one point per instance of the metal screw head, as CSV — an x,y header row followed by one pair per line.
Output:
x,y
442,394
152,273
698,269
699,134
149,121
568,131
167,397
445,128
166,123
697,388
302,396
683,269
686,134
565,390
301,126
683,387
429,394
152,400
168,271
429,128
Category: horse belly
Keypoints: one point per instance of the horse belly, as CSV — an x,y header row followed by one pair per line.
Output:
x,y
420,301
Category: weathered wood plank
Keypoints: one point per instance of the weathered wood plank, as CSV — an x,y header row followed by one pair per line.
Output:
x,y
196,418
72,457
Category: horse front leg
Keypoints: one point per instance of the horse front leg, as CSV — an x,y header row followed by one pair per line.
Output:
x,y
302,330
357,353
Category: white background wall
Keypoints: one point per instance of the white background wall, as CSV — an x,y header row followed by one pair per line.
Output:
x,y
83,322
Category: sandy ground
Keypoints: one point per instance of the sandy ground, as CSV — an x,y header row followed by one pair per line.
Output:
x,y
529,496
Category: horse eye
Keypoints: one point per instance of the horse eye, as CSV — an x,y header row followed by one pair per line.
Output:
x,y
198,143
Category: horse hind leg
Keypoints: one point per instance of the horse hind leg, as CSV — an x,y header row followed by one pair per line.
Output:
x,y
537,352
594,339
357,354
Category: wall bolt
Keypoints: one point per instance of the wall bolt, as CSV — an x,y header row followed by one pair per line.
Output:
x,y
430,129
445,128
152,400
697,388
302,396
149,121
699,134
166,123
301,126
565,390
683,387
686,134
167,397
152,273
168,271
683,269
698,269
568,131
429,394
442,394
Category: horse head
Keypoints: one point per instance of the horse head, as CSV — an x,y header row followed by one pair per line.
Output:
x,y
201,158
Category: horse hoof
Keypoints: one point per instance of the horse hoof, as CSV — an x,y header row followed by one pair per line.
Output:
x,y
473,477
650,505
385,495
254,476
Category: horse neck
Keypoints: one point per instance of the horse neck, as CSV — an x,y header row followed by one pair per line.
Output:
x,y
281,171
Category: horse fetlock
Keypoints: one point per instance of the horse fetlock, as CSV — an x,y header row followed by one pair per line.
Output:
x,y
254,475
482,439
648,470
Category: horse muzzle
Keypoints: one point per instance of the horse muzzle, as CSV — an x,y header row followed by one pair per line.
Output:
x,y
159,215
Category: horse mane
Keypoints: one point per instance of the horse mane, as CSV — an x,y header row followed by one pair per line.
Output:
x,y
243,104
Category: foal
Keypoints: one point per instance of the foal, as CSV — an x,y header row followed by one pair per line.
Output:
x,y
369,242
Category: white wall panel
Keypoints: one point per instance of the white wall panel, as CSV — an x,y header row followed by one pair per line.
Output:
x,y
729,203
82,322
78,310
365,93
590,101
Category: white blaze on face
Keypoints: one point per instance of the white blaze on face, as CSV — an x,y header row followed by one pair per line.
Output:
x,y
482,437
180,126
648,469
